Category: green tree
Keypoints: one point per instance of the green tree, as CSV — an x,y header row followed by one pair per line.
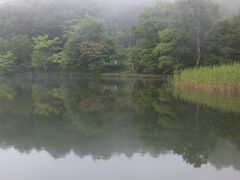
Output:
x,y
153,20
88,29
142,60
90,46
7,62
165,51
194,19
21,46
44,52
175,32
4,45
93,55
223,42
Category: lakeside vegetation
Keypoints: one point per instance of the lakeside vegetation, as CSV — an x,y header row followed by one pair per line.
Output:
x,y
226,103
224,78
159,38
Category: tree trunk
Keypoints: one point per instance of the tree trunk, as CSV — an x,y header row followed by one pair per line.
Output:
x,y
198,46
132,67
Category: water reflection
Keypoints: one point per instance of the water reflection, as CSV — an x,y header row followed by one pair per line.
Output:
x,y
102,118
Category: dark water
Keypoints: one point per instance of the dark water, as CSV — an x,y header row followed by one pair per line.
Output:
x,y
96,129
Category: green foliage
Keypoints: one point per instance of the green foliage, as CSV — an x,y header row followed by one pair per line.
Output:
x,y
4,45
93,55
177,31
166,64
165,51
7,62
90,47
59,59
89,29
166,37
44,52
194,19
7,92
223,43
166,43
142,60
153,20
21,46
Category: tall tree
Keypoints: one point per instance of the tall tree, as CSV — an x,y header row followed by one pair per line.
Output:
x,y
195,18
151,21
91,44
223,42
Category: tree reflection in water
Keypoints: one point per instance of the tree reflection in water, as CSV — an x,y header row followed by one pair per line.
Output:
x,y
104,117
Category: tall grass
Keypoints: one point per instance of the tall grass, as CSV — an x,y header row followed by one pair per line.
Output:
x,y
223,77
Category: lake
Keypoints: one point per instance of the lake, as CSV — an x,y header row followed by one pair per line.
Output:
x,y
68,128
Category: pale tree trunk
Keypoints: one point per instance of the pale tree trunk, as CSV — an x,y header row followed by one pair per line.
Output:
x,y
132,67
198,46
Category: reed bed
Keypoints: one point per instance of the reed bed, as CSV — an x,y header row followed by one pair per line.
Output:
x,y
223,78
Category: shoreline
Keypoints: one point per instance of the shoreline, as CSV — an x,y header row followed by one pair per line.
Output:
x,y
200,87
132,75
78,74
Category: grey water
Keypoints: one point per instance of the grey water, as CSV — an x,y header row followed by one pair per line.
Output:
x,y
62,128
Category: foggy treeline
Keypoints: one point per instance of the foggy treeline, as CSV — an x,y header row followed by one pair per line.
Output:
x,y
124,13
121,41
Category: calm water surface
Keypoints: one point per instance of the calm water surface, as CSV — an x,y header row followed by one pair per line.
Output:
x,y
57,128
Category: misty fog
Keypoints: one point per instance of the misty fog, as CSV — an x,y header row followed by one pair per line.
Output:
x,y
114,10
120,27
120,89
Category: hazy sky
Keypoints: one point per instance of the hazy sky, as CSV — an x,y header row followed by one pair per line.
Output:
x,y
230,4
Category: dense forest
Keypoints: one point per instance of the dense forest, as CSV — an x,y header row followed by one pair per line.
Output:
x,y
89,36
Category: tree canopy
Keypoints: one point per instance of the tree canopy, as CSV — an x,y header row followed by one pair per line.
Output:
x,y
149,38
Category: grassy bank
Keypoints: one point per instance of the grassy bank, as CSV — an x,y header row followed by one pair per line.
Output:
x,y
128,74
224,78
